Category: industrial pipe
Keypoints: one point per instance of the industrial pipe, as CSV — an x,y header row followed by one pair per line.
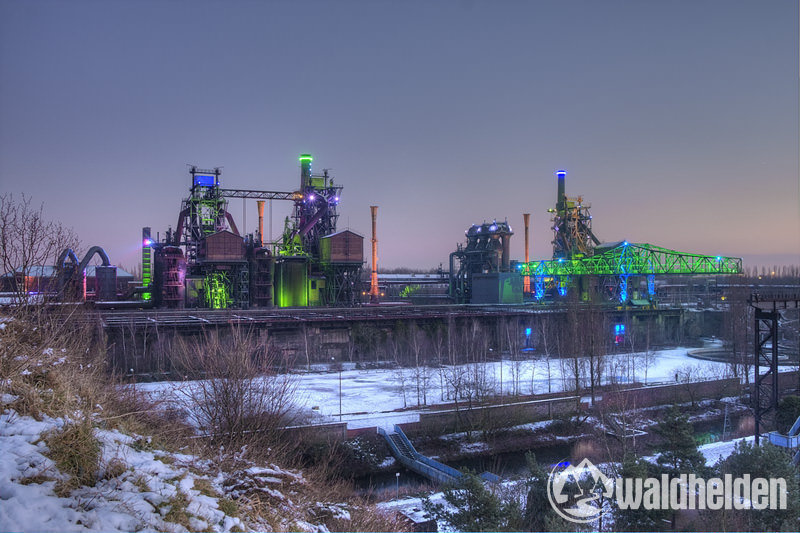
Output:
x,y
373,278
526,280
260,204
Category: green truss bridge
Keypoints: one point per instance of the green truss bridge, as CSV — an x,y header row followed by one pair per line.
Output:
x,y
623,259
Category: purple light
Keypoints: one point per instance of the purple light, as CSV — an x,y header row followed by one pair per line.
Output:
x,y
311,197
147,242
335,198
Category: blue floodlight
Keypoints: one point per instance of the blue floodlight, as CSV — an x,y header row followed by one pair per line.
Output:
x,y
203,180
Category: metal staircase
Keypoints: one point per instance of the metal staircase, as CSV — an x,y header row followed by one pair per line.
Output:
x,y
791,440
404,452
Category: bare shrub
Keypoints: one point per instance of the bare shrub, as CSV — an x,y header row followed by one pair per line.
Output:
x,y
238,395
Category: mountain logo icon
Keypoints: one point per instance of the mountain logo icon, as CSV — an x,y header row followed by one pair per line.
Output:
x,y
577,492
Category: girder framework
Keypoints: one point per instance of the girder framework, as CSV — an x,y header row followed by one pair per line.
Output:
x,y
260,195
625,259
766,391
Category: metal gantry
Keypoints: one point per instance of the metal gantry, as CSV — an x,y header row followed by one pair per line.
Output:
x,y
625,259
621,260
766,390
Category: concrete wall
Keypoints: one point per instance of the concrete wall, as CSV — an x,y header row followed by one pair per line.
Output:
x,y
319,433
489,417
669,394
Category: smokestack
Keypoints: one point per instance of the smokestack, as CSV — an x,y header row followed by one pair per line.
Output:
x,y
505,261
260,204
373,278
561,203
526,280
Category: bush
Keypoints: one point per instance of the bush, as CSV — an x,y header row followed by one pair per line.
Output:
x,y
238,397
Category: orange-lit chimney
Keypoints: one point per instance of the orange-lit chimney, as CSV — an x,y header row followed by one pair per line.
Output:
x,y
526,280
373,278
260,204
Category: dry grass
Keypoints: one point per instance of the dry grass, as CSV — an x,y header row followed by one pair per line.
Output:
x,y
52,360
76,452
36,479
205,487
364,517
228,506
178,510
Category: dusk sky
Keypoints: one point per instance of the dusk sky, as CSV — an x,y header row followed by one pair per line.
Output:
x,y
676,120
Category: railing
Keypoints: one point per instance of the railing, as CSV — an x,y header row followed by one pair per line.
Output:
x,y
417,462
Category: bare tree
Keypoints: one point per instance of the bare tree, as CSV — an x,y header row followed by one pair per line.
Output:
x,y
437,342
238,395
689,375
546,331
416,344
738,327
394,345
513,338
28,239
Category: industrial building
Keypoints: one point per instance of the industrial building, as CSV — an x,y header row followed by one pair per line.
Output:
x,y
620,272
207,263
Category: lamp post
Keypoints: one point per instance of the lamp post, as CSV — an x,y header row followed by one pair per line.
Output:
x,y
397,486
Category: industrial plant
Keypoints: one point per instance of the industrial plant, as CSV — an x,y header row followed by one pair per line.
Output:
x,y
206,262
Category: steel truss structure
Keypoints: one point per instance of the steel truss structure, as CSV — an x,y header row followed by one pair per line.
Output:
x,y
633,259
622,260
766,389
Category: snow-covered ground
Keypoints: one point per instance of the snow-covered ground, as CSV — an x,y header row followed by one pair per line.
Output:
x,y
139,488
720,450
383,397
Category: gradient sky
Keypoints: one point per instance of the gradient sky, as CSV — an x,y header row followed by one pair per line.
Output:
x,y
677,120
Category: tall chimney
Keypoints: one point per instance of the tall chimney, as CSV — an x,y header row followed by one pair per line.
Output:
x,y
561,202
526,280
373,278
260,204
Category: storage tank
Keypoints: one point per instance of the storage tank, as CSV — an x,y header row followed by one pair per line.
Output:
x,y
291,282
105,283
